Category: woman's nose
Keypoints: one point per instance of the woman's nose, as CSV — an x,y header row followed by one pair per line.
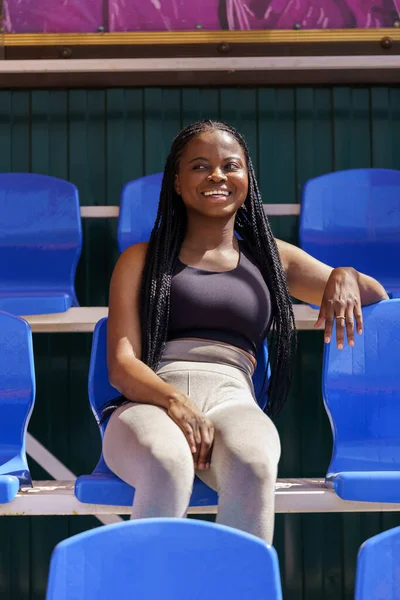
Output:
x,y
217,175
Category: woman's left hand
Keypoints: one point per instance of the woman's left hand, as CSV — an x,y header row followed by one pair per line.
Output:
x,y
341,301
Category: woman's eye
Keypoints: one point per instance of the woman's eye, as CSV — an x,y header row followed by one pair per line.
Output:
x,y
232,166
199,167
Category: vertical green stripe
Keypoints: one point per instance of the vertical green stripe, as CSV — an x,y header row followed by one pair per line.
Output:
x,y
20,131
352,128
5,130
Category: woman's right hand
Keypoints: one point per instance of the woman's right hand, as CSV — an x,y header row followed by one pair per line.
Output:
x,y
197,428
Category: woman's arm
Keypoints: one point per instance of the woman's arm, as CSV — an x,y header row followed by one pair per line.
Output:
x,y
127,373
339,292
307,277
130,375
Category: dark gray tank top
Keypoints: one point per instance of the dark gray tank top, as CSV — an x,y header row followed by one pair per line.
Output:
x,y
232,307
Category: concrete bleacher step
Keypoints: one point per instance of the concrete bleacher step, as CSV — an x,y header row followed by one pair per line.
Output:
x,y
84,318
292,496
107,212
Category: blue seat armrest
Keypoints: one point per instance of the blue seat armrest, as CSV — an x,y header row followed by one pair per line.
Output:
x,y
35,304
368,486
9,486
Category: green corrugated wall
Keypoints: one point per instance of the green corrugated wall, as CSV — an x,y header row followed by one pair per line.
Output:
x,y
100,139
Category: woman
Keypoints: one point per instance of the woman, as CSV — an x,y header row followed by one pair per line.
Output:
x,y
187,312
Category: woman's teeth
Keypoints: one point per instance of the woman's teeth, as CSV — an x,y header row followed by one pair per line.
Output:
x,y
217,193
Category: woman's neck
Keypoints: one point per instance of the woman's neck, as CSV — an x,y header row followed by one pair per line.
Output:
x,y
209,234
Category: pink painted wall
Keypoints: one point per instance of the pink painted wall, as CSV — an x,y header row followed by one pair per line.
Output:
x,y
54,16
312,14
159,15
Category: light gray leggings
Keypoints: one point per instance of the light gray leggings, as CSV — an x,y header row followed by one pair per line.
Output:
x,y
144,447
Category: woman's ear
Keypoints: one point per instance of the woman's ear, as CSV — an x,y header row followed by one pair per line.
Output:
x,y
177,185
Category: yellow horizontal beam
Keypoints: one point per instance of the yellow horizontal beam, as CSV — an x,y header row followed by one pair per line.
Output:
x,y
201,37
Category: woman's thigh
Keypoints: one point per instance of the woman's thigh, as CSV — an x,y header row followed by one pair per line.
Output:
x,y
142,439
246,443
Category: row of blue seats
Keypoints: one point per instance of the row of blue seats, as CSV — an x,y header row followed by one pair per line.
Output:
x,y
361,391
175,559
347,218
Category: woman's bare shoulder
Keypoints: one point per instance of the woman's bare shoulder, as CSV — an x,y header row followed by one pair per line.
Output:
x,y
126,282
128,270
135,251
133,257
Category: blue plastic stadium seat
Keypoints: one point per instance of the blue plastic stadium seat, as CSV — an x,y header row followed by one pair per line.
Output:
x,y
40,243
17,395
361,389
102,486
164,559
138,210
352,218
378,567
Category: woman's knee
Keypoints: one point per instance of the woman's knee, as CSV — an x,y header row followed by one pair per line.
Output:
x,y
170,462
256,470
251,467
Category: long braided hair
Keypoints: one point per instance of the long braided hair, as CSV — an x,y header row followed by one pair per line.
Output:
x,y
163,251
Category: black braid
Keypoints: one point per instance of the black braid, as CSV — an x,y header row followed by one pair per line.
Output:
x,y
163,251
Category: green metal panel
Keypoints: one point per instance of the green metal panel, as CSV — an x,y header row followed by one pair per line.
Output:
x,y
100,139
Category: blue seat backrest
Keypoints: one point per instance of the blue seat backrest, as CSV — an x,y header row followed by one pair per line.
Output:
x,y
378,567
40,234
17,394
100,389
157,559
353,218
138,211
361,390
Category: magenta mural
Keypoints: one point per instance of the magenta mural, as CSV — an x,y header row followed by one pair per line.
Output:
x,y
67,16
161,15
312,14
52,16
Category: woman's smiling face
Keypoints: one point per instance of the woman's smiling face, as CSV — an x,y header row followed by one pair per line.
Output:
x,y
212,177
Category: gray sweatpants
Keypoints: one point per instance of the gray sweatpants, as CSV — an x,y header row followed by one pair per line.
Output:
x,y
144,447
